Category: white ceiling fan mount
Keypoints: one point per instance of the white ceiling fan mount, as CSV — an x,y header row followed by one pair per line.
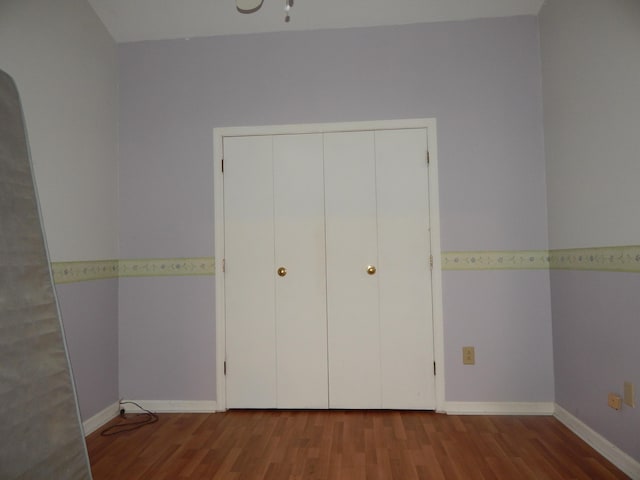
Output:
x,y
250,6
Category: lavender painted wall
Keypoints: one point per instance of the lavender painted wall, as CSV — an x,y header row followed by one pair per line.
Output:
x,y
90,319
167,338
505,315
591,72
480,79
65,65
595,336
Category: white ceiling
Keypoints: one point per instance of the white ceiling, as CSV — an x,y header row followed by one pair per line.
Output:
x,y
135,20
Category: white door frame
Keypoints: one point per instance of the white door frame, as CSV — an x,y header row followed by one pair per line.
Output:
x,y
434,212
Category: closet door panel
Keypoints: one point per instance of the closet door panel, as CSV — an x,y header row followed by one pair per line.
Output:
x,y
405,277
353,315
249,273
301,317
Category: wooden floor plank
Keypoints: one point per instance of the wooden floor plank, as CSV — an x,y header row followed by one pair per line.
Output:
x,y
350,445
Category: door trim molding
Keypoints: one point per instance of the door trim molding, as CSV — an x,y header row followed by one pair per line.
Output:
x,y
434,211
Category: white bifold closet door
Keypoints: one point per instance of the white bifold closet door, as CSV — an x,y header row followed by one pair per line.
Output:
x,y
349,322
352,248
380,329
276,325
404,251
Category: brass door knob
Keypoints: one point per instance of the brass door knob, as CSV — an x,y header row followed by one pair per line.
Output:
x,y
371,270
282,271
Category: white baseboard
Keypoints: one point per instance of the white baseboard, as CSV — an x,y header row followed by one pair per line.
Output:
x,y
172,406
499,408
99,419
604,447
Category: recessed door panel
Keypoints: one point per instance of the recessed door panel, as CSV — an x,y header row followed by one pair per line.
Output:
x,y
301,316
249,273
405,277
352,291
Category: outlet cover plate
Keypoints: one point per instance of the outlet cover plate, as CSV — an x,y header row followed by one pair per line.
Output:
x,y
629,394
468,355
615,401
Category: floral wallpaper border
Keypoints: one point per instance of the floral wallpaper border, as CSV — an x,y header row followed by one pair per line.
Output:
x,y
496,260
610,259
167,267
71,272
607,259
82,271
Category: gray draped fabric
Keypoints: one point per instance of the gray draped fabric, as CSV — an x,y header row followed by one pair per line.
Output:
x,y
40,432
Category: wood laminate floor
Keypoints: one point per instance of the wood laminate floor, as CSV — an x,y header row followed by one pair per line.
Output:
x,y
351,445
